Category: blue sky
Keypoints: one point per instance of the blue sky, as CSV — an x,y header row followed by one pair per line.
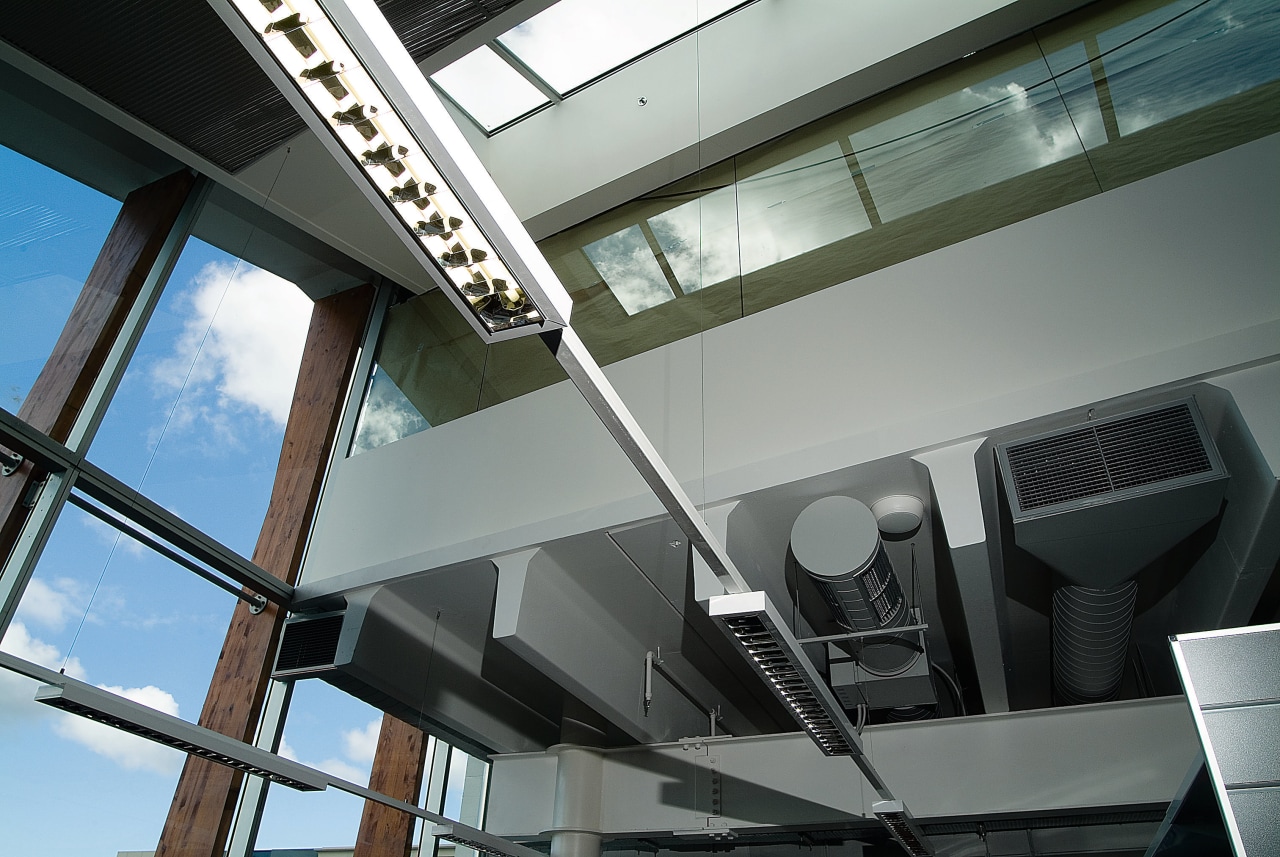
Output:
x,y
196,425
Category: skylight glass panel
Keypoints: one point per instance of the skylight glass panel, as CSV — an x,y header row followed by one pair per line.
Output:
x,y
575,41
488,88
630,270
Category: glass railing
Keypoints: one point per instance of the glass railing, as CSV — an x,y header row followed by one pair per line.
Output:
x,y
1106,96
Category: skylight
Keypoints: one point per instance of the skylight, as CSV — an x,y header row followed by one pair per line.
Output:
x,y
563,48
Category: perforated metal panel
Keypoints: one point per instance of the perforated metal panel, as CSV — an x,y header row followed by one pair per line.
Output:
x,y
308,644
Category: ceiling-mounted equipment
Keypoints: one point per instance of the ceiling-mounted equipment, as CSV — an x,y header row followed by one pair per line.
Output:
x,y
898,514
357,88
895,816
1098,502
837,542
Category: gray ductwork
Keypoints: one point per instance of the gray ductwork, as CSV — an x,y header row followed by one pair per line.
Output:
x,y
1127,488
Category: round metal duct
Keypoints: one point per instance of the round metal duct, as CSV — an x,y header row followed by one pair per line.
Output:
x,y
1090,640
837,542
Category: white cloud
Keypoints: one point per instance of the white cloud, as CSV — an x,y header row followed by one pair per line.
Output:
x,y
248,327
129,751
16,691
361,744
51,604
108,535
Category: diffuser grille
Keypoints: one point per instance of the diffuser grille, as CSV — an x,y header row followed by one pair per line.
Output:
x,y
1112,455
309,643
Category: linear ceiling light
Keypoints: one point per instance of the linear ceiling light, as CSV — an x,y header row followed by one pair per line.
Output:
x,y
129,716
894,815
362,94
485,843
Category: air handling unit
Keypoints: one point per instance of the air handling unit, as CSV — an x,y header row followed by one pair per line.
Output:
x,y
1098,502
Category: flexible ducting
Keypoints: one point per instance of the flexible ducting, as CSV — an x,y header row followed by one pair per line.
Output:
x,y
1090,641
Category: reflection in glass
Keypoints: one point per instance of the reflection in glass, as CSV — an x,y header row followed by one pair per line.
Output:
x,y
488,88
200,414
575,41
980,135
1188,55
387,415
627,265
51,228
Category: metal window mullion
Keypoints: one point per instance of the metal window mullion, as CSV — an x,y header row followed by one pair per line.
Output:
x,y
553,95
35,533
253,796
126,341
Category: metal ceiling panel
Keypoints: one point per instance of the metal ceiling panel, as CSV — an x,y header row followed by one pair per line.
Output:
x,y
426,26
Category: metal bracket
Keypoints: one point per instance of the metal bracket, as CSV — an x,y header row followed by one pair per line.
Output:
x,y
12,462
257,603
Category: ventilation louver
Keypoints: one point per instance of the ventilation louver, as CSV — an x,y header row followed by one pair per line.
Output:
x,y
1100,501
309,644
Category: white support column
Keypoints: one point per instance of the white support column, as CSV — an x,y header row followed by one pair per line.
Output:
x,y
953,473
575,830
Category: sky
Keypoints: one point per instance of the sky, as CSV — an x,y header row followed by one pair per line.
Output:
x,y
197,425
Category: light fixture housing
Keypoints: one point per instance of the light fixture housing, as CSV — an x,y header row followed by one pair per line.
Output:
x,y
894,815
128,716
346,72
751,620
485,843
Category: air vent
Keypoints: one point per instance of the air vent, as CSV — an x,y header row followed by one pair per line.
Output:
x,y
1100,501
1156,445
309,643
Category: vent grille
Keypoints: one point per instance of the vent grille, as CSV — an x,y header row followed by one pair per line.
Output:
x,y
1125,452
309,643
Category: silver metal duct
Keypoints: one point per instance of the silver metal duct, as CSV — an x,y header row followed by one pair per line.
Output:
x,y
1090,640
837,542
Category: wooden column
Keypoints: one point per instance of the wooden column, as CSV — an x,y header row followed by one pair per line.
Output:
x,y
397,772
204,801
58,394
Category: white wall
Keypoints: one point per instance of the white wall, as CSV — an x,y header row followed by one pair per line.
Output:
x,y
1169,278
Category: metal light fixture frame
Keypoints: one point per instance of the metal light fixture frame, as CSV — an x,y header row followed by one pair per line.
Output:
x,y
390,102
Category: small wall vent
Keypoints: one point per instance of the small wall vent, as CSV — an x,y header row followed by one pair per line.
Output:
x,y
309,644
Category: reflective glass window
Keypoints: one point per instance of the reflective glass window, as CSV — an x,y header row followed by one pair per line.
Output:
x,y
51,229
200,414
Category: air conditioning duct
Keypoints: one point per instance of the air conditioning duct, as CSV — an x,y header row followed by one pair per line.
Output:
x,y
384,651
836,540
1098,502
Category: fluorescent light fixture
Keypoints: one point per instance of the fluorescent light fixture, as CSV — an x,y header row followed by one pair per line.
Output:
x,y
485,843
894,815
351,79
751,620
129,716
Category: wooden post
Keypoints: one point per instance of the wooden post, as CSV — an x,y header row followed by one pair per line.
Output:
x,y
204,801
110,291
397,772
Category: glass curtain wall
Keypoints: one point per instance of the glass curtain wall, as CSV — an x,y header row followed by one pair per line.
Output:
x,y
1109,95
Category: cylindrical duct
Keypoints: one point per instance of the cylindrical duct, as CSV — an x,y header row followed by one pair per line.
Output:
x,y
836,541
1090,641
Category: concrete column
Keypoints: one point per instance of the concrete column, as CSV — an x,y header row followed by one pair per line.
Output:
x,y
575,830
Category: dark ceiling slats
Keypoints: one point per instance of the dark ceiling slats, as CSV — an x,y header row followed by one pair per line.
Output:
x,y
175,66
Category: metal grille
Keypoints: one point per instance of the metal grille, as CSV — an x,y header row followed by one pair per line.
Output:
x,y
309,643
171,63
1153,446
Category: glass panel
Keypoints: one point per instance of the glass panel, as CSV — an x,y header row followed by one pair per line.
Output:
x,y
1188,55
199,418
575,41
488,88
51,229
337,733
114,613
628,267
427,371
965,140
